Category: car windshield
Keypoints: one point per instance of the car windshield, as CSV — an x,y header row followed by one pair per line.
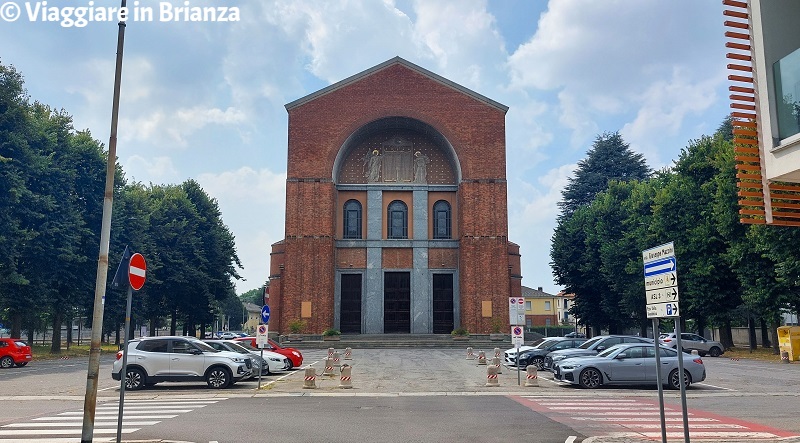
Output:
x,y
607,352
20,343
246,345
538,342
547,343
236,347
203,346
663,336
588,344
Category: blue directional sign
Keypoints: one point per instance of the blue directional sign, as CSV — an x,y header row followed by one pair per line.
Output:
x,y
659,267
265,314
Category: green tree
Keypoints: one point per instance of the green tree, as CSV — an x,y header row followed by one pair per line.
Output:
x,y
609,158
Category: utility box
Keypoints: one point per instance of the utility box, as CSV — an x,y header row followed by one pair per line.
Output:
x,y
789,341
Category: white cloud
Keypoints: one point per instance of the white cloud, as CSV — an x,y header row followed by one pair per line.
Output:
x,y
155,170
253,205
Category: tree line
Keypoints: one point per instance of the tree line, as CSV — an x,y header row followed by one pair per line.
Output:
x,y
729,273
52,180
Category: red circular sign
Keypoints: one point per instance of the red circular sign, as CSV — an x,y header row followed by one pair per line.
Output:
x,y
136,271
262,329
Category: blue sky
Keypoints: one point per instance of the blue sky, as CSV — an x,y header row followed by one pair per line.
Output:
x,y
205,100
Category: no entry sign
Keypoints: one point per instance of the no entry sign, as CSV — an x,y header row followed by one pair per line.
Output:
x,y
136,271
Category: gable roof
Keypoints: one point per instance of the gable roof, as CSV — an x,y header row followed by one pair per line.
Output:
x,y
386,64
535,293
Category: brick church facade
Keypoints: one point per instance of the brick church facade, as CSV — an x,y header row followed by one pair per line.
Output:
x,y
396,209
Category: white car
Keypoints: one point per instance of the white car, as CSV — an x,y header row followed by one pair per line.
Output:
x,y
153,360
272,361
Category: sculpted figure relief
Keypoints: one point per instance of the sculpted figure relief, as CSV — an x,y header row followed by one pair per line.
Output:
x,y
373,166
420,167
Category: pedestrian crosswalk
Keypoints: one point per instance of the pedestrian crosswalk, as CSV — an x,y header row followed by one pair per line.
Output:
x,y
67,426
641,418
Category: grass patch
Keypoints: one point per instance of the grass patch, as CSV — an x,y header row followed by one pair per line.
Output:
x,y
763,354
42,352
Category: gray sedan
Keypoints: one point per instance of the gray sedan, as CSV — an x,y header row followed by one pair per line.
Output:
x,y
629,364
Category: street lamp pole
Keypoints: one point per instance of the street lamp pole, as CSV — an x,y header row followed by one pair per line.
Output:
x,y
92,374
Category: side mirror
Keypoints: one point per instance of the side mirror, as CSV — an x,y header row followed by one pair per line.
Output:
x,y
621,356
196,351
601,348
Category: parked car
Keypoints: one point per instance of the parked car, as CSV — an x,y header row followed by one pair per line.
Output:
x,y
226,335
510,355
14,351
592,347
693,342
271,362
536,355
295,357
575,335
153,360
629,364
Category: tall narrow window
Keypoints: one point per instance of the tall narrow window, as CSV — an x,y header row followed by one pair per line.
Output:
x,y
352,219
441,220
397,220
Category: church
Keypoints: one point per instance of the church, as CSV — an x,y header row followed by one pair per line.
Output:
x,y
396,209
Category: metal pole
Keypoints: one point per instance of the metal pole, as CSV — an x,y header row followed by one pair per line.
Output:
x,y
92,373
683,382
262,367
658,380
124,371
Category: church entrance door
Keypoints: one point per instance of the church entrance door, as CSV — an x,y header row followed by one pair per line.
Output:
x,y
397,302
350,318
442,303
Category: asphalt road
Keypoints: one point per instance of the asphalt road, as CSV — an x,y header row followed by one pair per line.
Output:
x,y
397,395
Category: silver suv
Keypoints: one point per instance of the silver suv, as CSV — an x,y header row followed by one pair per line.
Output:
x,y
152,360
693,342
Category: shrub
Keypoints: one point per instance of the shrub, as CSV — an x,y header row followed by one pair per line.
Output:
x,y
330,332
297,326
460,332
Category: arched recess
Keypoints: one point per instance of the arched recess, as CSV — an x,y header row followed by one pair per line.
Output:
x,y
401,138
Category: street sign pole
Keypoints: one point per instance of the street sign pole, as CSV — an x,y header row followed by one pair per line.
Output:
x,y
658,380
124,370
679,348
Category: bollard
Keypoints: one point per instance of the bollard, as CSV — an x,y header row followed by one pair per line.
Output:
x,y
481,358
530,376
344,379
497,352
470,355
328,367
695,352
311,379
336,358
330,352
496,363
491,376
348,354
784,357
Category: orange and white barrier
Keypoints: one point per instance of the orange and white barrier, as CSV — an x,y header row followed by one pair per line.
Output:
x,y
481,358
348,354
344,379
531,379
310,381
491,376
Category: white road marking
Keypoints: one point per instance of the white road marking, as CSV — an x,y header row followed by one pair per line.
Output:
x,y
571,439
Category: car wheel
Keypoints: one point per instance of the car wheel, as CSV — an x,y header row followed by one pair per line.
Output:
x,y
715,351
539,362
21,364
590,378
701,353
218,378
6,362
134,379
291,365
675,382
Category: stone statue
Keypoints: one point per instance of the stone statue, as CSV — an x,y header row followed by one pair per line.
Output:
x,y
373,166
420,167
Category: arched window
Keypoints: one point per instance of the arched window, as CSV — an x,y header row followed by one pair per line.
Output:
x,y
441,220
397,220
352,219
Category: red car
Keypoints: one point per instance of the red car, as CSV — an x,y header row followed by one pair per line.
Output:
x,y
294,356
14,351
